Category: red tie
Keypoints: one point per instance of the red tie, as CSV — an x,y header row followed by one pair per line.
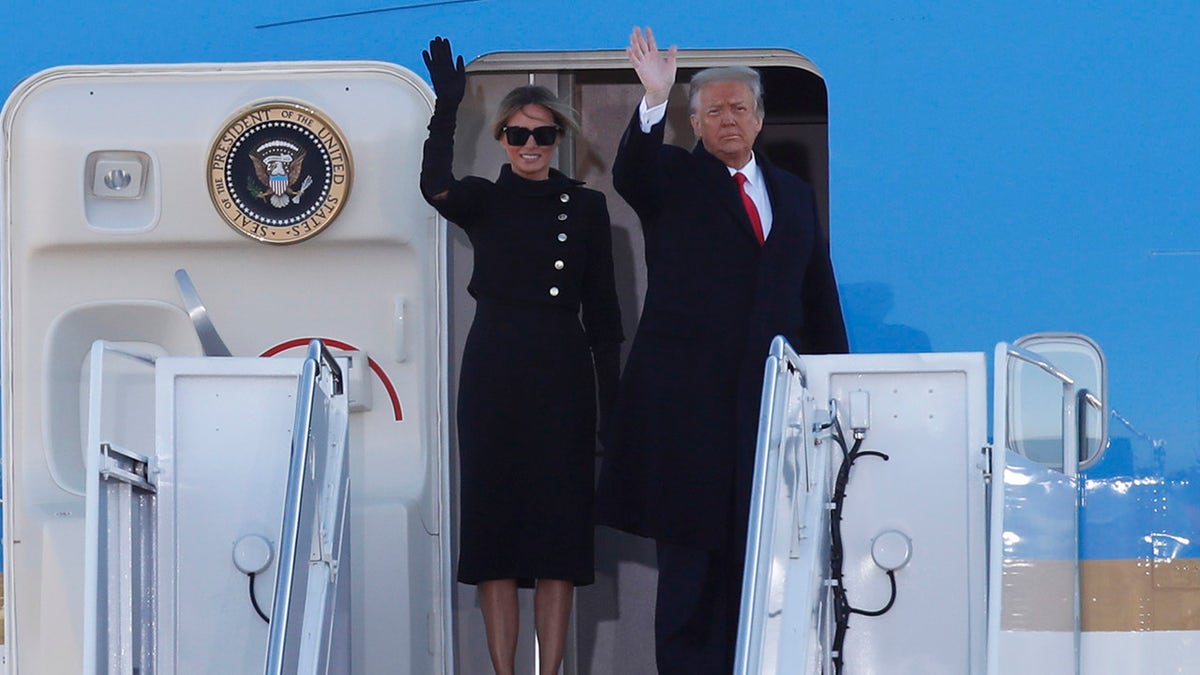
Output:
x,y
751,209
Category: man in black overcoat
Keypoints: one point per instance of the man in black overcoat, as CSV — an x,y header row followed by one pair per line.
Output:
x,y
723,278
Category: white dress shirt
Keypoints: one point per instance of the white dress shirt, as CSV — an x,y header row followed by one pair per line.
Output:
x,y
756,185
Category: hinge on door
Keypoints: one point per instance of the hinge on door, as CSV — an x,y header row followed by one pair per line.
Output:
x,y
985,463
127,466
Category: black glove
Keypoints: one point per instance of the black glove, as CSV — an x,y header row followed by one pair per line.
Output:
x,y
448,76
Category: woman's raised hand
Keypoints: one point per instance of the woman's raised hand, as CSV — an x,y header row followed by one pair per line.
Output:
x,y
448,76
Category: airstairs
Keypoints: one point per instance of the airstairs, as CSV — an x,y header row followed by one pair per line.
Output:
x,y
888,533
249,463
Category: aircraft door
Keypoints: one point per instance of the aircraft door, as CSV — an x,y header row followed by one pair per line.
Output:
x,y
289,192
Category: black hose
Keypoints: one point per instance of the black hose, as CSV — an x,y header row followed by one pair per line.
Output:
x,y
841,603
891,601
254,600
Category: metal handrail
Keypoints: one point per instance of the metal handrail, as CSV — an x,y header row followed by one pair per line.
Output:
x,y
1086,397
782,349
782,359
1070,441
1071,446
1039,361
288,540
319,352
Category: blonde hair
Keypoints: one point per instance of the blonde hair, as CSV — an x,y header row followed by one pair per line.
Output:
x,y
532,94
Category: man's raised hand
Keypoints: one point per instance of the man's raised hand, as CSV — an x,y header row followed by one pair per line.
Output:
x,y
656,71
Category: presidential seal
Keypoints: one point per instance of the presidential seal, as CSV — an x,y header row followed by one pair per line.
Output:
x,y
279,172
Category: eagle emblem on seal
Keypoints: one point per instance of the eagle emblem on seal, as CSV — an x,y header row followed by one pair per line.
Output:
x,y
279,171
278,166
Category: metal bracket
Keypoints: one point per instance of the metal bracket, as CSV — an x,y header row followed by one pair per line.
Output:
x,y
128,467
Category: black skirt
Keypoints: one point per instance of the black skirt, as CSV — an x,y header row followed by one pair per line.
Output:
x,y
526,443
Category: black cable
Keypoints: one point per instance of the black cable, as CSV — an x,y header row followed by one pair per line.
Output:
x,y
891,601
841,617
380,10
254,600
842,608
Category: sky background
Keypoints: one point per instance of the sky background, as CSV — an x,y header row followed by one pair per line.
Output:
x,y
995,170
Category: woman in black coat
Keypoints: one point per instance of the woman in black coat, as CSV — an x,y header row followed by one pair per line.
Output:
x,y
527,394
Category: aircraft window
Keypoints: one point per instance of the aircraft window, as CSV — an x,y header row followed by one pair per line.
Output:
x,y
1037,411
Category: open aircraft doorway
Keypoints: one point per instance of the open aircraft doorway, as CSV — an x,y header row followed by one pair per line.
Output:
x,y
613,621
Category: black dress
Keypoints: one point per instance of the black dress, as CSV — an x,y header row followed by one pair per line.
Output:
x,y
527,395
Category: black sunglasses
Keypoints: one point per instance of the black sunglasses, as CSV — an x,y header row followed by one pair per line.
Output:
x,y
516,136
